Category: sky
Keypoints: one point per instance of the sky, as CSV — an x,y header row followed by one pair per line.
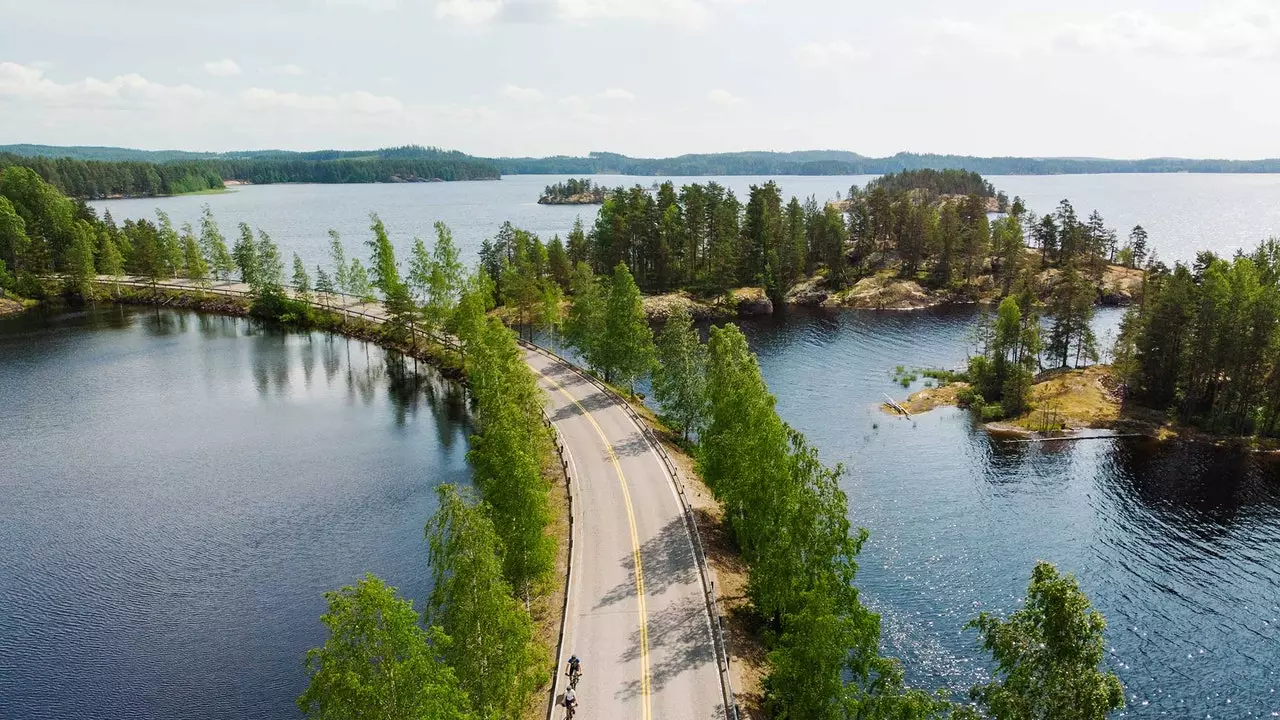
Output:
x,y
648,78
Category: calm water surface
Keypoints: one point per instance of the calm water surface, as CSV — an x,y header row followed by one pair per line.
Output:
x,y
177,493
1179,547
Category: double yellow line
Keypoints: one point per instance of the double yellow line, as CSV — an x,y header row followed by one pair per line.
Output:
x,y
635,548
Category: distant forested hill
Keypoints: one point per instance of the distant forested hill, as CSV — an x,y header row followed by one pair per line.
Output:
x,y
838,162
96,172
93,172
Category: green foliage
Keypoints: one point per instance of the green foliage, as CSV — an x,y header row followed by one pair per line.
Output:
x,y
679,376
571,188
508,450
627,351
378,663
1205,342
79,261
245,254
1071,305
214,246
14,243
1048,655
301,280
6,279
494,653
584,327
193,262
337,254
935,182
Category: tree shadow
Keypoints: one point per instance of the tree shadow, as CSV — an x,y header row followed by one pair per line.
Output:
x,y
634,446
679,640
665,560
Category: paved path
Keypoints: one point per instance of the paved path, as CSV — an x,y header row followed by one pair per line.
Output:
x,y
637,615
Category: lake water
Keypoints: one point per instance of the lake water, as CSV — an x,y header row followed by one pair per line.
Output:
x,y
1179,547
1183,213
178,491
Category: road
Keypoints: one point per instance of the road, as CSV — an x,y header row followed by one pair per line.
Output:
x,y
636,615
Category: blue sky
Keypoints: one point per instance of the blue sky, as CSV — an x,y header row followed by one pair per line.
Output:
x,y
1128,78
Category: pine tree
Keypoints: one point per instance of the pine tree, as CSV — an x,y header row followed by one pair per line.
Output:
x,y
1138,244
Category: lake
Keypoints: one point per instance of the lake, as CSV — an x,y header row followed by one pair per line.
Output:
x,y
179,491
1178,546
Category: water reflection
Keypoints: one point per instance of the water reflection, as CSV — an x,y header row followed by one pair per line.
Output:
x,y
214,491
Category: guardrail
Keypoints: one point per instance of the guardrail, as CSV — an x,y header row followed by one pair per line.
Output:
x,y
721,648
318,300
568,572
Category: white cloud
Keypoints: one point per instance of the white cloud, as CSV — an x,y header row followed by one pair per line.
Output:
x,y
616,94
289,70
724,98
1242,30
360,102
469,12
819,54
30,83
515,92
686,13
222,68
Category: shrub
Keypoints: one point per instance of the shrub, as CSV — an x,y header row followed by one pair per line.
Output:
x,y
966,397
993,411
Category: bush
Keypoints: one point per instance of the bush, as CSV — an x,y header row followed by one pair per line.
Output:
x,y
30,286
967,397
993,411
6,279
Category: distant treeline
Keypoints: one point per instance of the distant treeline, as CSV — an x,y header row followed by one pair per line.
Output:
x,y
90,174
461,166
838,162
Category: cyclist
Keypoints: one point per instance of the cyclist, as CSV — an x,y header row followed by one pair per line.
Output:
x,y
570,702
575,670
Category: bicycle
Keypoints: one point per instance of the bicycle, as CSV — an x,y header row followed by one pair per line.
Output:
x,y
573,679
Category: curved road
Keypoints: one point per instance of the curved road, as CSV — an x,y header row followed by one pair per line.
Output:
x,y
636,614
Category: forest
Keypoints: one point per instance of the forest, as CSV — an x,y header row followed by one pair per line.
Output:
x,y
1204,342
92,179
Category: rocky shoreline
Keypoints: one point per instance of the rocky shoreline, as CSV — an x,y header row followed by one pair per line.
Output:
x,y
587,198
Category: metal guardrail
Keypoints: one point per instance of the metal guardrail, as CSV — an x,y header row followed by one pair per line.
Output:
x,y
568,572
704,569
315,300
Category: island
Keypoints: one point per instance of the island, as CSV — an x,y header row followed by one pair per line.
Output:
x,y
580,191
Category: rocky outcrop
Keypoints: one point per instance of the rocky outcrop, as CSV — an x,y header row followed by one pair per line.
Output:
x,y
810,292
659,307
884,292
587,198
752,301
10,307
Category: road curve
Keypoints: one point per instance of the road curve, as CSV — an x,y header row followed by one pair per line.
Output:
x,y
636,613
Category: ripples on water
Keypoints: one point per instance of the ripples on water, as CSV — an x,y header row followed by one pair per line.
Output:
x,y
180,490
1179,546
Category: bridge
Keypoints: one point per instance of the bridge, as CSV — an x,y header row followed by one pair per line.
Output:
x,y
640,610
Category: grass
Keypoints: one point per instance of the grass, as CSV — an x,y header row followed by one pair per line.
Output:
x,y
206,191
1071,399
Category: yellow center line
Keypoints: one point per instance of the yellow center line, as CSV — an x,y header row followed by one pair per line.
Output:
x,y
635,548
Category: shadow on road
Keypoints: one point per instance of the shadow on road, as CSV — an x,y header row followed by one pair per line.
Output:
x,y
666,560
679,640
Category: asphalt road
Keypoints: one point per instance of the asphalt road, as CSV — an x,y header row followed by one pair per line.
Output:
x,y
636,614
